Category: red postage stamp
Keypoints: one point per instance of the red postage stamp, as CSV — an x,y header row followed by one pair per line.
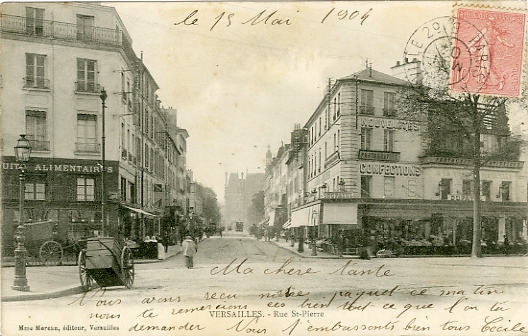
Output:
x,y
488,52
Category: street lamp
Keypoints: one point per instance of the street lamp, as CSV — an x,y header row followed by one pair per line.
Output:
x,y
314,218
22,154
103,97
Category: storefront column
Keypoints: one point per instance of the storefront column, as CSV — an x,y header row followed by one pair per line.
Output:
x,y
502,229
525,230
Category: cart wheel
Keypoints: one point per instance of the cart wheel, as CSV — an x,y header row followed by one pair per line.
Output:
x,y
86,280
127,267
50,253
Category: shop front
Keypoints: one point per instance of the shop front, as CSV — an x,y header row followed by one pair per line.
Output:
x,y
65,191
442,227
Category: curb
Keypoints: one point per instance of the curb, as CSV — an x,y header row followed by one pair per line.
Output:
x,y
65,291
43,296
314,257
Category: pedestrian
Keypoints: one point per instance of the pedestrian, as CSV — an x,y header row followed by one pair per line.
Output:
x,y
506,245
189,249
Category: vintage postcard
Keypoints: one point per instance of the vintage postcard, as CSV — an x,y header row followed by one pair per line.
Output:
x,y
278,168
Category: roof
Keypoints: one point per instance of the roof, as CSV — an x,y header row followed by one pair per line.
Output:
x,y
371,75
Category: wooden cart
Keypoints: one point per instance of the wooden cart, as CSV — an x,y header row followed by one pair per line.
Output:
x,y
43,244
107,262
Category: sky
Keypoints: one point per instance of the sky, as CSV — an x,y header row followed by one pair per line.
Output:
x,y
241,83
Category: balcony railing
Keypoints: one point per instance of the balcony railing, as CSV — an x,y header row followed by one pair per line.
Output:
x,y
389,112
36,83
87,147
468,162
40,145
367,110
59,30
90,87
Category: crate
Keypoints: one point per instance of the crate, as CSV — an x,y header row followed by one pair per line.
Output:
x,y
103,252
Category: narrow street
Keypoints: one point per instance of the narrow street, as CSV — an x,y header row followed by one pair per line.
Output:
x,y
241,285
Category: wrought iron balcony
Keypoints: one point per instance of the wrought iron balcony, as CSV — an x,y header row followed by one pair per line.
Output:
x,y
40,145
389,112
59,30
89,87
87,147
36,83
367,110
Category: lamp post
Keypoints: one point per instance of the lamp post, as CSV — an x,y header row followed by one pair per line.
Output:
x,y
314,218
22,154
103,97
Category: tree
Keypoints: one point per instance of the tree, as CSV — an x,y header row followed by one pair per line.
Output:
x,y
256,209
458,118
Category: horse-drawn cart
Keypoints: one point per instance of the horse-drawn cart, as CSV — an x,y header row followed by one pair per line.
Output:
x,y
43,244
107,262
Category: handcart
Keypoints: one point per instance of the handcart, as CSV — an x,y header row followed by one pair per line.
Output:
x,y
107,262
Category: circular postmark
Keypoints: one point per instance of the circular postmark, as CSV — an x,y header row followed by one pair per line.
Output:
x,y
447,53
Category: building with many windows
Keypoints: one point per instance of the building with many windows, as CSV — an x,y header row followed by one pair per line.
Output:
x,y
56,60
374,179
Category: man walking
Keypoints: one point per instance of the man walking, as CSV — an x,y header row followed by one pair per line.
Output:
x,y
189,249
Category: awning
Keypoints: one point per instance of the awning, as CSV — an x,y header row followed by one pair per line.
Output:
x,y
271,218
139,210
308,216
340,213
265,221
286,225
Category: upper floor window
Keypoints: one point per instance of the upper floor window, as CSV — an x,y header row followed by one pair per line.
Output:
x,y
86,70
85,27
388,140
486,190
367,102
505,190
366,138
87,133
85,189
466,188
366,186
445,188
34,21
389,108
36,129
388,186
35,72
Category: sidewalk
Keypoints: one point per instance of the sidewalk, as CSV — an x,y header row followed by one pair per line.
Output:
x,y
54,281
308,251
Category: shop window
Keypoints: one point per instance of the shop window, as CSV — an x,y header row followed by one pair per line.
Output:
x,y
486,190
388,188
366,185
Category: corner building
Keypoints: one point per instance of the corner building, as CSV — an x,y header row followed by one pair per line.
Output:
x,y
56,59
374,180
